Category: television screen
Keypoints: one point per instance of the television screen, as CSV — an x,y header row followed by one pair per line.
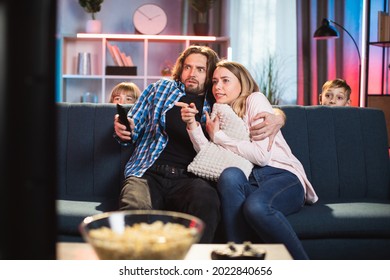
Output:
x,y
27,129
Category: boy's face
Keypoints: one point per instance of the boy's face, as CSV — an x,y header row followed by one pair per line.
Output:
x,y
194,73
334,97
123,98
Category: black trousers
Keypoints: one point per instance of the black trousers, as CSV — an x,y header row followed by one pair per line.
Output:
x,y
184,192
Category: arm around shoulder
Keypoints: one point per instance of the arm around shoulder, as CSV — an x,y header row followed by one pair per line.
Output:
x,y
281,116
269,127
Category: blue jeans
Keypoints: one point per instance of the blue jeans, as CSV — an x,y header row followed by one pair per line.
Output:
x,y
257,209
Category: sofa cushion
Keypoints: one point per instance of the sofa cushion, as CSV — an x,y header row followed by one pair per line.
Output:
x,y
347,248
366,218
73,212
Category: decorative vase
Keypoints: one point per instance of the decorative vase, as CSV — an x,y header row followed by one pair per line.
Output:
x,y
93,26
201,26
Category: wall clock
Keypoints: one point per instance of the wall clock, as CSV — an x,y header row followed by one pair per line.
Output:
x,y
149,19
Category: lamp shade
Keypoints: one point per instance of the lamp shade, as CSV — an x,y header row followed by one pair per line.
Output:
x,y
325,31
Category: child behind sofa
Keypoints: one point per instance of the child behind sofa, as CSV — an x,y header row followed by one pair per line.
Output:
x,y
125,93
335,93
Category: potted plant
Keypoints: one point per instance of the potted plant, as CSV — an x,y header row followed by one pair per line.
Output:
x,y
92,7
270,78
201,7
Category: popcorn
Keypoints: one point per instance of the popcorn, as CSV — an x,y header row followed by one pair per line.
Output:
x,y
142,241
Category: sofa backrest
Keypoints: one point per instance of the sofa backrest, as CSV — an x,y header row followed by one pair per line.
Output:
x,y
344,150
89,160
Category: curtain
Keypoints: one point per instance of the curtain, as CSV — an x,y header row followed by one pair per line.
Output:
x,y
263,29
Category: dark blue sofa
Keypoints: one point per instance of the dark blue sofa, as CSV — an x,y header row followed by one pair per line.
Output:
x,y
344,152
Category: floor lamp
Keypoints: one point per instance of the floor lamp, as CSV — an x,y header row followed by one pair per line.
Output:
x,y
326,31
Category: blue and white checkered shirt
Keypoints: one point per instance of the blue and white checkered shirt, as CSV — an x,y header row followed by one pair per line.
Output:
x,y
149,113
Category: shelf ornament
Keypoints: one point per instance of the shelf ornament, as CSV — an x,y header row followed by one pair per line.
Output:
x,y
202,7
92,7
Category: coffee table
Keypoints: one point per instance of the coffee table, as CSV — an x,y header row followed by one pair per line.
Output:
x,y
83,251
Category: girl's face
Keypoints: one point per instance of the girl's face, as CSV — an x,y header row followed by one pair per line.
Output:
x,y
226,86
334,97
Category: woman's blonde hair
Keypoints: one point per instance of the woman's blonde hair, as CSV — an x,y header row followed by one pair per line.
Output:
x,y
248,84
130,89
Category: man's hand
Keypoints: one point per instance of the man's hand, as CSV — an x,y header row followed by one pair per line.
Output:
x,y
120,129
188,112
269,127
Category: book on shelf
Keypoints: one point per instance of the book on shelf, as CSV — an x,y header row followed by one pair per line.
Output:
x,y
119,57
383,26
124,59
111,51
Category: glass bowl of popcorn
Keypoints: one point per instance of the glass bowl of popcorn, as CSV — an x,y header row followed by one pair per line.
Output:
x,y
141,234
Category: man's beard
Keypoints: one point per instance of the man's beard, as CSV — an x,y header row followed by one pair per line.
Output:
x,y
198,90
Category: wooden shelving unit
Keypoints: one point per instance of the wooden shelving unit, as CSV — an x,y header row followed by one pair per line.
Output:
x,y
378,61
149,53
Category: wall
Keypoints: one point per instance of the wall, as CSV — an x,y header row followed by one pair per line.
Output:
x,y
116,16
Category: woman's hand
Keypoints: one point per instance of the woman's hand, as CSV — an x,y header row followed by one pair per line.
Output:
x,y
212,126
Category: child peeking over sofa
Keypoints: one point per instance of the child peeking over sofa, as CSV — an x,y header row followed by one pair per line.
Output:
x,y
335,93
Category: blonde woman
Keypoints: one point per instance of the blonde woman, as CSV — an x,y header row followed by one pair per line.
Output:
x,y
253,208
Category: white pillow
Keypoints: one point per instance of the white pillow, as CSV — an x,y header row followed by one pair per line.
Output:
x,y
212,159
